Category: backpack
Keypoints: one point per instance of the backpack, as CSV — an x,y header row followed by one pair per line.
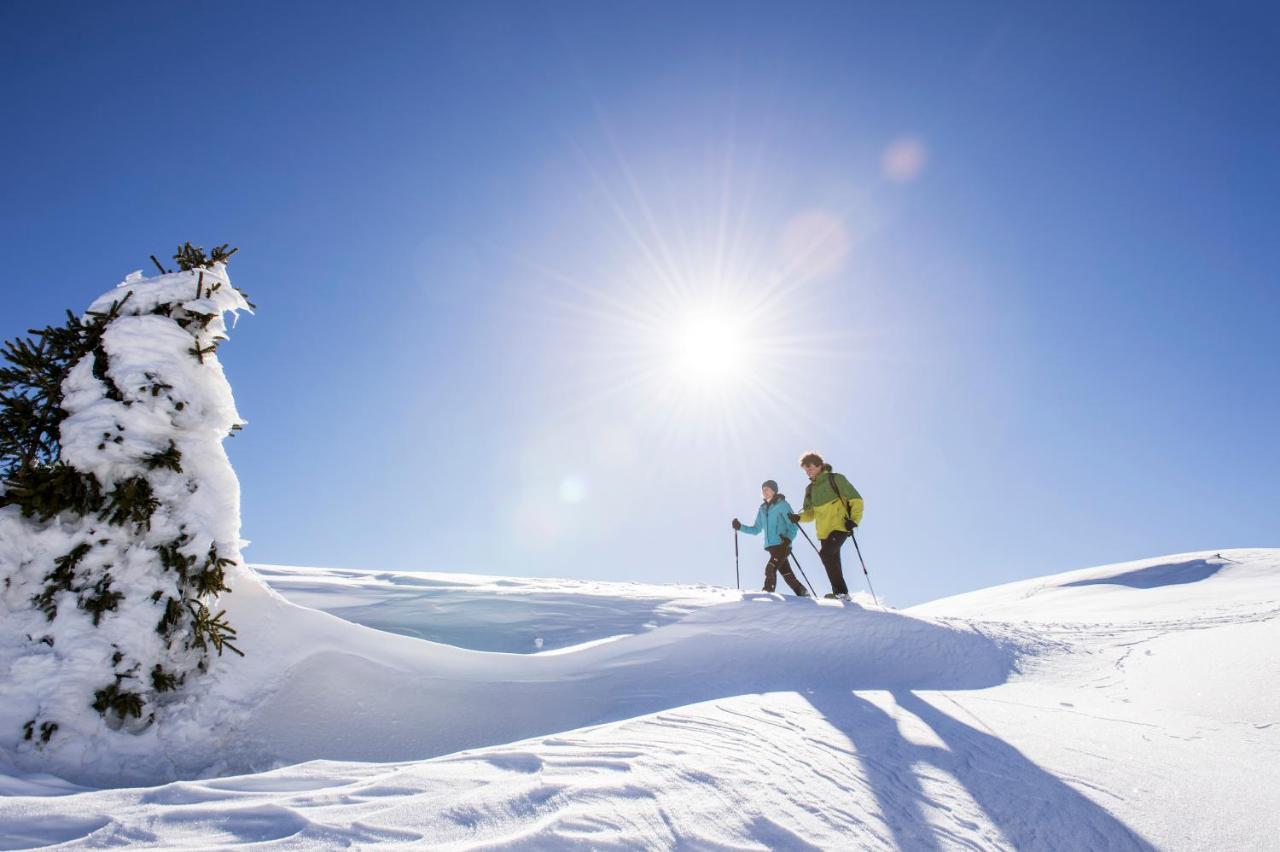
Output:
x,y
848,510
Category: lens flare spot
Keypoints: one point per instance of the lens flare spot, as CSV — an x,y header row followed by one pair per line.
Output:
x,y
573,490
903,159
815,244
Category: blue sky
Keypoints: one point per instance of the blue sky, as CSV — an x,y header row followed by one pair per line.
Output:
x,y
548,289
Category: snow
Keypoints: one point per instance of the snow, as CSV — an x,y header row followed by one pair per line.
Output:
x,y
1123,707
492,613
1234,582
155,395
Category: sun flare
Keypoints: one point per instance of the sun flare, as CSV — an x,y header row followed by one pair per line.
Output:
x,y
698,315
708,347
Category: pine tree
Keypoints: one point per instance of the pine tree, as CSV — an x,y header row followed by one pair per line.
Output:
x,y
117,506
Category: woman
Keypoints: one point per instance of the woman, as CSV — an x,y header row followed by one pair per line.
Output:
x,y
774,520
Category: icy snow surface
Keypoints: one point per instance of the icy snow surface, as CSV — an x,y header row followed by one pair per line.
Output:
x,y
1124,707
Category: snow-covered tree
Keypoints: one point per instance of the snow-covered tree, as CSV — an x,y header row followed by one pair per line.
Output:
x,y
119,510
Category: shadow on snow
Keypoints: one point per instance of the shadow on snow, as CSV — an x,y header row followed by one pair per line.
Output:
x,y
1156,576
1031,808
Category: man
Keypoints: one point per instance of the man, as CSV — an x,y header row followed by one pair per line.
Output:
x,y
774,519
835,506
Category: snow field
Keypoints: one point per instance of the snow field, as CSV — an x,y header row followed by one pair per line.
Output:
x,y
707,719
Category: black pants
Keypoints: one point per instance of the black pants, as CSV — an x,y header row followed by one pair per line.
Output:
x,y
778,564
830,554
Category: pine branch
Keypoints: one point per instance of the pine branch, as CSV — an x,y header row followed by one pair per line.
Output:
x,y
210,628
131,501
169,459
191,257
112,698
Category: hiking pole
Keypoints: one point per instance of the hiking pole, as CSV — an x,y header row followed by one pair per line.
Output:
x,y
737,581
802,574
811,544
815,550
864,567
860,559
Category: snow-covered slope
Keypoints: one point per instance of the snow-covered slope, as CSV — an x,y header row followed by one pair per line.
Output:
x,y
1120,707
1174,587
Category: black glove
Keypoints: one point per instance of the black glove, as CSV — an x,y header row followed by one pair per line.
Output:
x,y
849,524
786,542
793,518
737,524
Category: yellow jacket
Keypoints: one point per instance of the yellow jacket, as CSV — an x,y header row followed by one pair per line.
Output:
x,y
828,507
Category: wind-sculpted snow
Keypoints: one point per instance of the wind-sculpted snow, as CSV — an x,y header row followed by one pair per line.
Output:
x,y
1133,591
778,770
516,615
429,700
702,718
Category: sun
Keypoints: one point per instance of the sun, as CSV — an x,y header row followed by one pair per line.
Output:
x,y
708,347
694,318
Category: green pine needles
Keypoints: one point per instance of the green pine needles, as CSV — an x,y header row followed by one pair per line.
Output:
x,y
191,257
31,387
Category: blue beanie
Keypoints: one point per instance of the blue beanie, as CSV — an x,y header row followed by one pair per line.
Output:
x,y
770,484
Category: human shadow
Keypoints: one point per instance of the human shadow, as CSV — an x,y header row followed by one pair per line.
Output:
x,y
1155,576
1031,808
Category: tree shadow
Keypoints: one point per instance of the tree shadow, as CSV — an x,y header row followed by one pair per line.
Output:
x,y
1032,808
1155,576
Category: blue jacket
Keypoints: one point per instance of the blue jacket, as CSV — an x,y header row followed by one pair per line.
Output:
x,y
772,519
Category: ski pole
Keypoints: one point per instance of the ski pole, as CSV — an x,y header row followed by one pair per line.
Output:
x,y
811,544
864,567
815,550
802,574
737,580
860,559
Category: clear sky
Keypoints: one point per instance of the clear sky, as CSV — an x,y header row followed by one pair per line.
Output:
x,y
550,288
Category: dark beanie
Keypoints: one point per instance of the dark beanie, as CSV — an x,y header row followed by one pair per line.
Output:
x,y
770,484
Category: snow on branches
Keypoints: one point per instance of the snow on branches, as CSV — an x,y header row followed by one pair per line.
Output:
x,y
119,510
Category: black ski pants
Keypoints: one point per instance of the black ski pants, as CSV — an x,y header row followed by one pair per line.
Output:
x,y
778,564
830,555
